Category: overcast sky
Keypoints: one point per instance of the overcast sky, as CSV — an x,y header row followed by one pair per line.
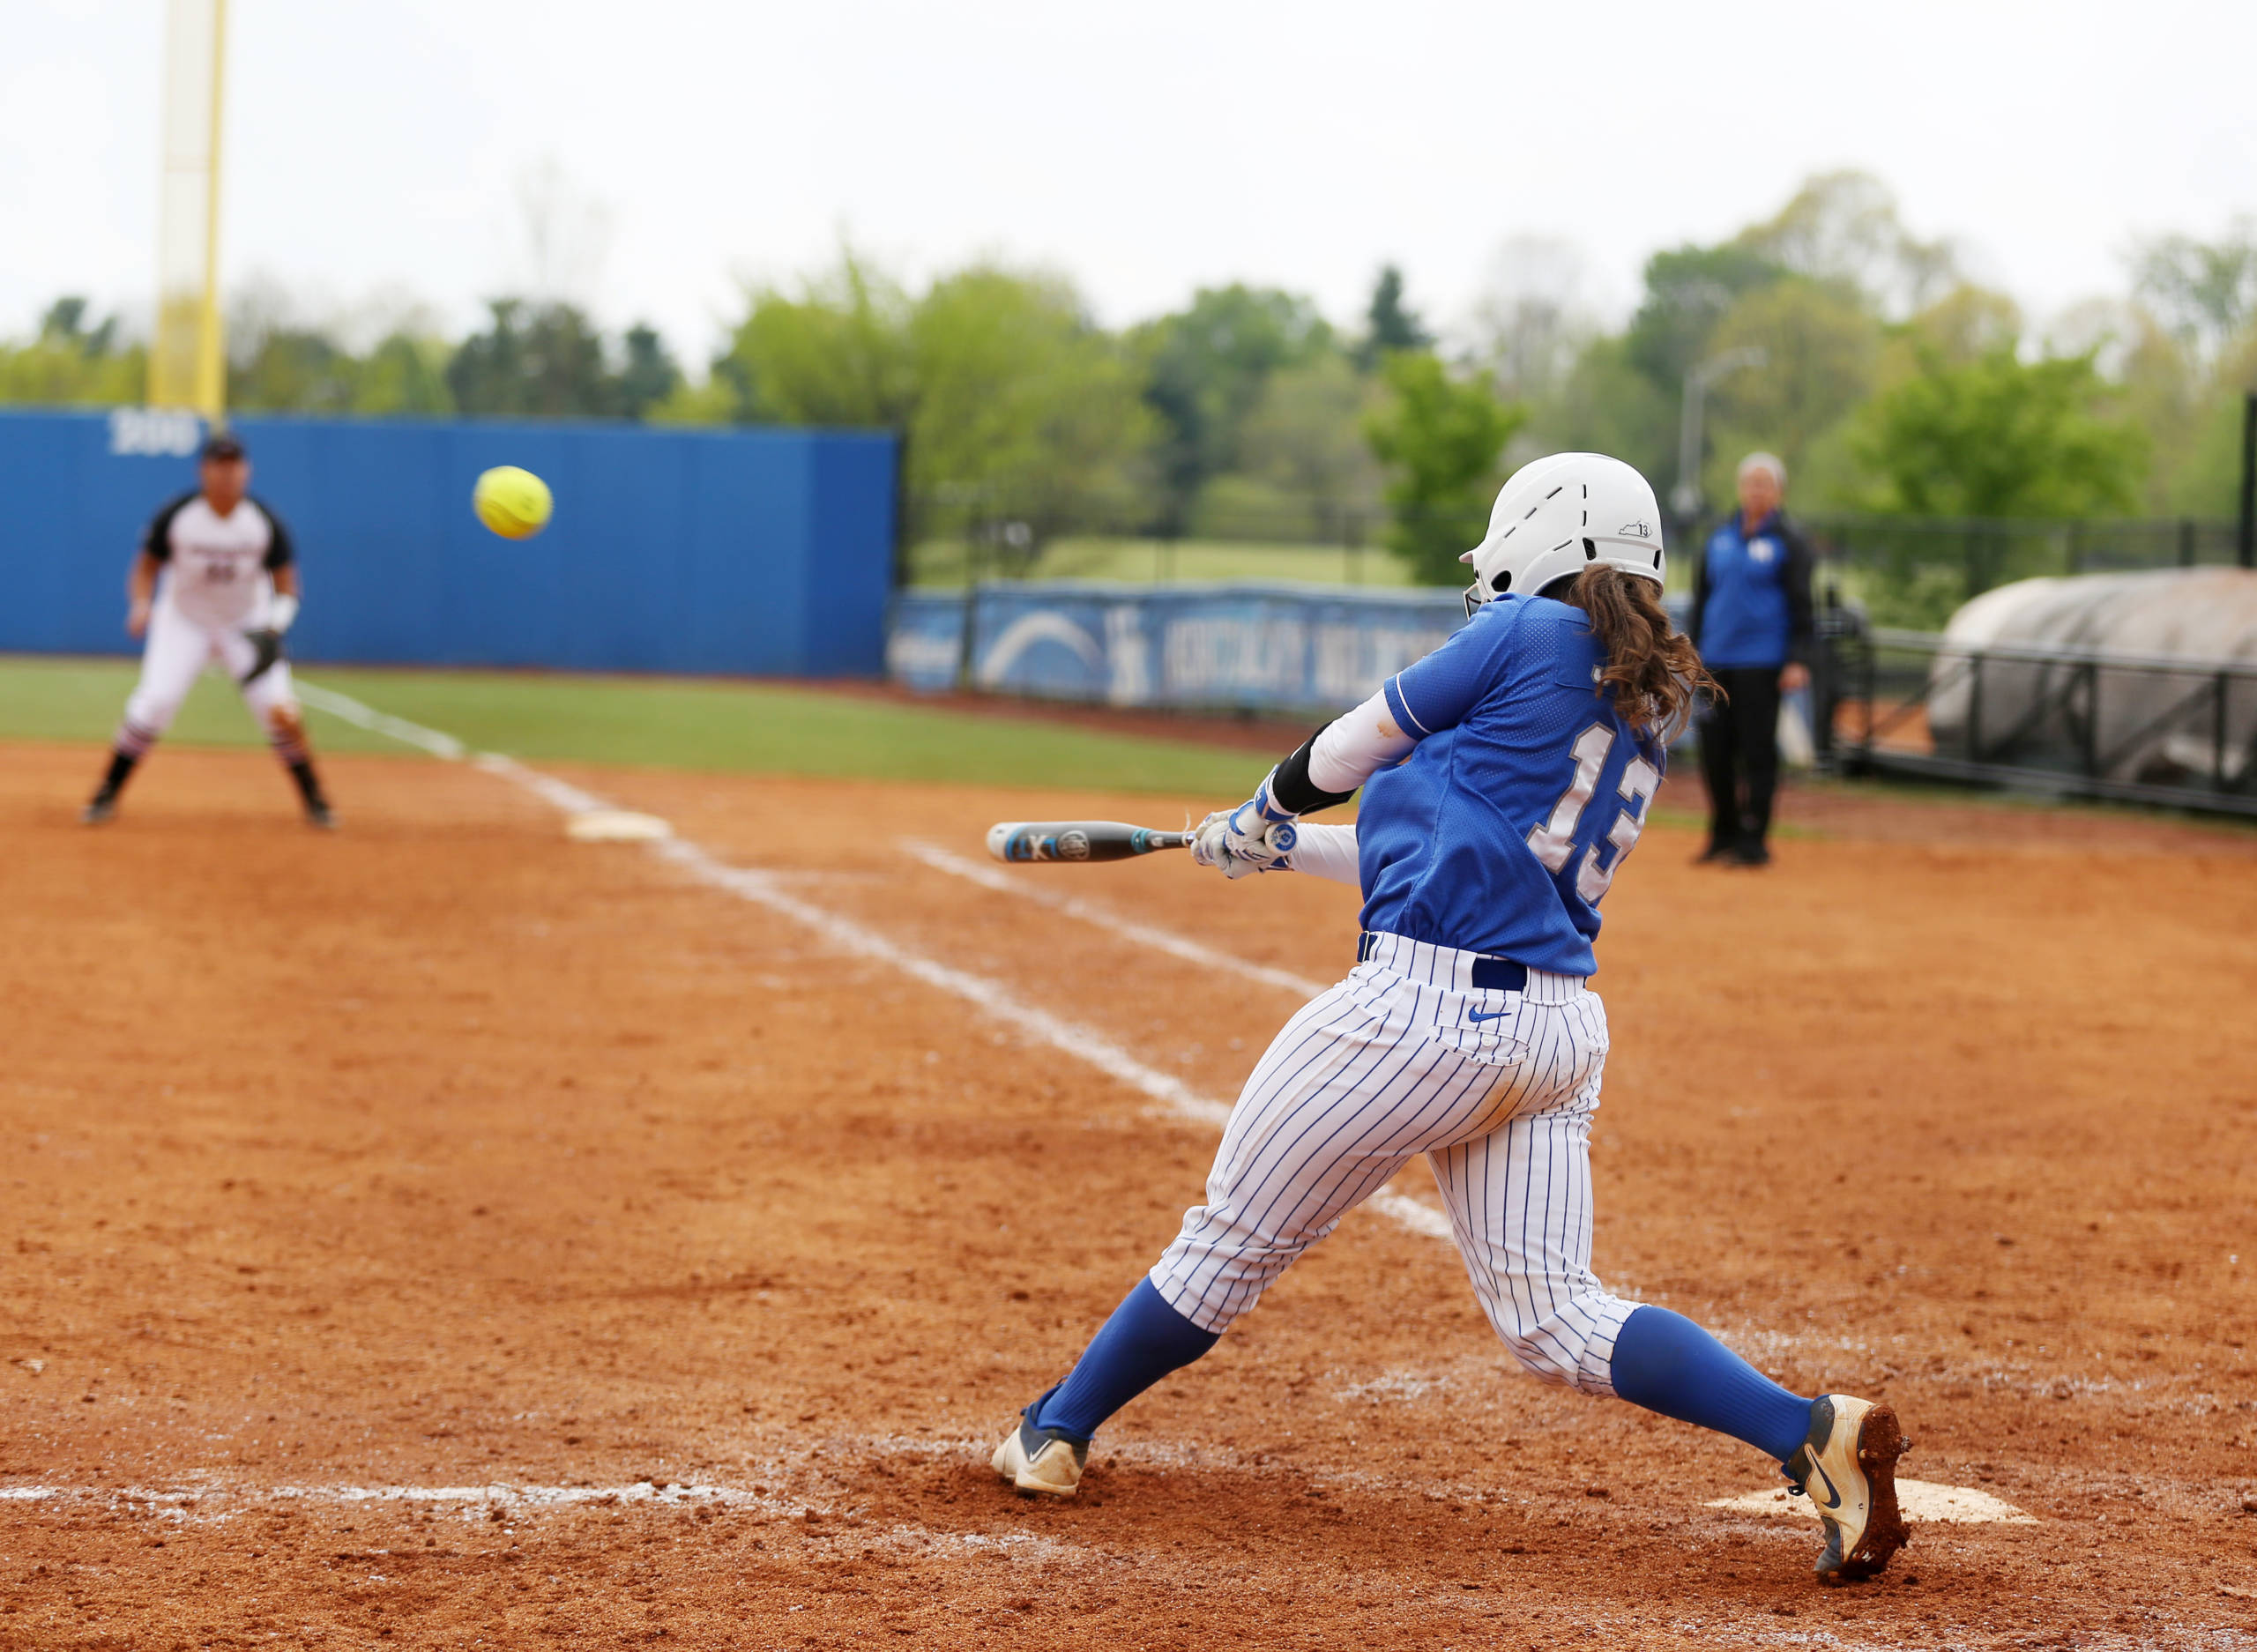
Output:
x,y
379,148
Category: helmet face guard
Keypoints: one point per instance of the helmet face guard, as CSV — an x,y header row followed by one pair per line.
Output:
x,y
1558,516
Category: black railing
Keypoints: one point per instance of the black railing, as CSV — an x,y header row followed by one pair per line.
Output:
x,y
2060,719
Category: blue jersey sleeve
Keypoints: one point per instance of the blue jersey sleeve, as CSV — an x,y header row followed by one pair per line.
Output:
x,y
1436,693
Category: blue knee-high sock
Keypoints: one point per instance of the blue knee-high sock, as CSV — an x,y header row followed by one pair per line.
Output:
x,y
1665,1362
1143,1342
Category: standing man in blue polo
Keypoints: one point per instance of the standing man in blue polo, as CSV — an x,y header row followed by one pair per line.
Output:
x,y
1751,623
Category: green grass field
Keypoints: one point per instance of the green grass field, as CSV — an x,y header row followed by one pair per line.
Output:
x,y
656,721
702,724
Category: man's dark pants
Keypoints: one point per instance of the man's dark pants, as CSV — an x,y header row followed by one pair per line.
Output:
x,y
1739,756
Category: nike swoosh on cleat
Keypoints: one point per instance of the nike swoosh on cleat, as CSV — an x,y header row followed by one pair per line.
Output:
x,y
1833,1497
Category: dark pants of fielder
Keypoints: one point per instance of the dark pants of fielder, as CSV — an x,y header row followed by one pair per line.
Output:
x,y
1740,755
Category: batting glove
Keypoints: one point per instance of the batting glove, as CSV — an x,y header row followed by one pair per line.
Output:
x,y
1255,837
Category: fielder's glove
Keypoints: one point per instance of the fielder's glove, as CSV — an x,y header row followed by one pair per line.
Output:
x,y
267,639
1258,836
268,642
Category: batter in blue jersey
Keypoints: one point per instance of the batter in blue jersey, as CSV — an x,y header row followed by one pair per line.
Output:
x,y
1505,778
1501,831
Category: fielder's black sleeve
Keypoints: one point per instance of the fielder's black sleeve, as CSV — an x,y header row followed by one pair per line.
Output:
x,y
1802,623
1291,788
1700,601
279,553
157,537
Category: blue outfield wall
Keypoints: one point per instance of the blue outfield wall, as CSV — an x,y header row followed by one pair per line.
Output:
x,y
763,552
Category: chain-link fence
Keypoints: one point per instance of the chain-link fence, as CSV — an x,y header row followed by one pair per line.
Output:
x,y
1906,571
959,537
1914,571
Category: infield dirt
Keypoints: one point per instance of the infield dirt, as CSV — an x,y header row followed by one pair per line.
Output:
x,y
707,1263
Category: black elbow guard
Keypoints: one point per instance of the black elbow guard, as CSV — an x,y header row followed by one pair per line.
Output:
x,y
1291,788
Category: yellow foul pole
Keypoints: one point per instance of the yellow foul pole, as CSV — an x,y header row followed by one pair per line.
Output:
x,y
210,355
188,358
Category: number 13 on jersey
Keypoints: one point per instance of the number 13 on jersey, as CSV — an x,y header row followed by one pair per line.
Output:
x,y
1554,841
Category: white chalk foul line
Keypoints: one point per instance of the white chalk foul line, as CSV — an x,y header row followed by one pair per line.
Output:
x,y
991,996
1414,1213
1190,951
999,1002
1921,1501
218,1504
764,889
344,706
501,1493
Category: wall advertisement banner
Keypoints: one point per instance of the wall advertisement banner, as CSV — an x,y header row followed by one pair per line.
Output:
x,y
1272,645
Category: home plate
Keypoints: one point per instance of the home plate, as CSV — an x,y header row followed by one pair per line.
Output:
x,y
615,826
1920,1499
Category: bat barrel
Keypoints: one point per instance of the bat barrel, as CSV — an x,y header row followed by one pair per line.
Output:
x,y
1029,842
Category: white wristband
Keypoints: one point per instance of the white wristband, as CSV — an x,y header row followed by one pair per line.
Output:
x,y
282,611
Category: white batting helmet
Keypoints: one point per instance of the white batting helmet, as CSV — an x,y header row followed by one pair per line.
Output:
x,y
1558,515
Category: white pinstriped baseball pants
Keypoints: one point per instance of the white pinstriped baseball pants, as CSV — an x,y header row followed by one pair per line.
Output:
x,y
1388,1065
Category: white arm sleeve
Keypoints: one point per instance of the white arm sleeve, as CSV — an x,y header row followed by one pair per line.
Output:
x,y
1358,745
1326,851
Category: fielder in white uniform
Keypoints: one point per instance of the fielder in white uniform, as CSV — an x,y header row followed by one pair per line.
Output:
x,y
1505,781
215,579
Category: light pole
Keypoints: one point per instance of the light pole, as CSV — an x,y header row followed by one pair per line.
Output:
x,y
2245,546
1685,498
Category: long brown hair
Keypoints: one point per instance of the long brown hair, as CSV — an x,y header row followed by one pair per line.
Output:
x,y
1652,673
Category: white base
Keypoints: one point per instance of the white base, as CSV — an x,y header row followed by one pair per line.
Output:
x,y
615,826
1920,1499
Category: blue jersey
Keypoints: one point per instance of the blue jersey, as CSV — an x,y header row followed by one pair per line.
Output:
x,y
1745,617
1501,831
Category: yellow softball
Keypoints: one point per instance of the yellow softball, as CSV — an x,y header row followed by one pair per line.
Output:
x,y
514,504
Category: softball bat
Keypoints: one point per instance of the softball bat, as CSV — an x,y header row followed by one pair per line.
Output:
x,y
1016,840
